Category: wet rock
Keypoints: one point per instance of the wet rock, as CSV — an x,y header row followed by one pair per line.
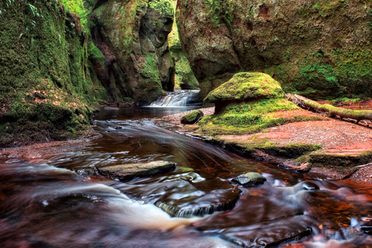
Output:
x,y
129,171
132,36
269,234
192,117
309,186
188,176
366,225
198,203
184,195
249,179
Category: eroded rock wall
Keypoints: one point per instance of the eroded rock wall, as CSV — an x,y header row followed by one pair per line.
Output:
x,y
46,87
133,38
319,48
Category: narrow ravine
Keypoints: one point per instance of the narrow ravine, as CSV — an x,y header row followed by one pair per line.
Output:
x,y
44,205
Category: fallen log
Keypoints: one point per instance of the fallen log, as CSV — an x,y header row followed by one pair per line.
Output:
x,y
283,163
330,110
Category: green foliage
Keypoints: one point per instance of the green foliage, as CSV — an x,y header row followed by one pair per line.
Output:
x,y
165,7
77,7
246,86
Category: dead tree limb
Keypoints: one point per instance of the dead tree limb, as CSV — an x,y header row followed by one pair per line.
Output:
x,y
330,110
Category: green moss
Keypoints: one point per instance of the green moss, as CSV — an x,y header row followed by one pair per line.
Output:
x,y
246,86
165,7
327,74
43,61
220,11
184,76
150,68
291,150
95,53
120,16
77,7
345,100
248,117
339,160
317,77
192,117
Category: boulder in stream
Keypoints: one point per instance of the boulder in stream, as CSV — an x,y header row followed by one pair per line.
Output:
x,y
249,179
192,117
198,203
129,171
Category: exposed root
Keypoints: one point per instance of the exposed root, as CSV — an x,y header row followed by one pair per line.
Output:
x,y
283,163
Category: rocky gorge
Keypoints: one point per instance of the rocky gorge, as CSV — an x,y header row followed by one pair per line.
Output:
x,y
157,123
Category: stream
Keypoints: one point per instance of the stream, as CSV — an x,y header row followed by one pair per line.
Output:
x,y
65,202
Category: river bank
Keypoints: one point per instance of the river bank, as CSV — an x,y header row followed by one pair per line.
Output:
x,y
335,149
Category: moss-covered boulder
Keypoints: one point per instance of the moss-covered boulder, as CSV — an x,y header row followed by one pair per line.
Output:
x,y
319,48
192,117
133,38
46,85
245,86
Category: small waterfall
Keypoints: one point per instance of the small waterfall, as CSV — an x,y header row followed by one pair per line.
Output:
x,y
178,99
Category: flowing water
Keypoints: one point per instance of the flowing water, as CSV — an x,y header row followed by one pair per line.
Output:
x,y
177,99
64,202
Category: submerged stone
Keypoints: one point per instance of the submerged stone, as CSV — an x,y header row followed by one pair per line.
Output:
x,y
250,179
129,171
192,117
269,234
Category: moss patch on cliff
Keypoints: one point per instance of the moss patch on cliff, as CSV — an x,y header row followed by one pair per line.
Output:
x,y
165,7
44,66
184,77
321,74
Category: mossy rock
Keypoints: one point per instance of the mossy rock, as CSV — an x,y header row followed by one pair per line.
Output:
x,y
248,117
246,86
192,117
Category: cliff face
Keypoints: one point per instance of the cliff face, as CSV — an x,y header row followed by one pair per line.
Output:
x,y
133,38
319,47
46,84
